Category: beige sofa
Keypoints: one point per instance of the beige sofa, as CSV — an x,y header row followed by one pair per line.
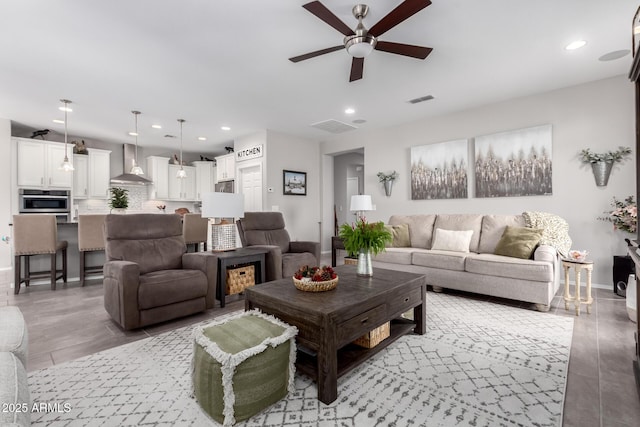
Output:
x,y
480,270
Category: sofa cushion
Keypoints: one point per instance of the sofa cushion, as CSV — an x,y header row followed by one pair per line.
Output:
x,y
14,391
445,260
395,256
13,333
166,287
452,240
420,228
492,228
400,235
515,268
462,222
518,242
292,261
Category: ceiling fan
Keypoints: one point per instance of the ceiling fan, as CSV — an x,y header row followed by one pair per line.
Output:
x,y
360,42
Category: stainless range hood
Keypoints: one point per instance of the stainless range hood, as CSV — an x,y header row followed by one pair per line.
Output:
x,y
127,178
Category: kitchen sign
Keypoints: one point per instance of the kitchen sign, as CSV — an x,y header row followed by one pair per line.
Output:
x,y
249,153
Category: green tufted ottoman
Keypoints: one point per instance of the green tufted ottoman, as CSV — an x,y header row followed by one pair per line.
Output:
x,y
243,364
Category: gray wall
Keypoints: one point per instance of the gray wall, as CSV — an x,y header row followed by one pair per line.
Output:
x,y
5,191
597,115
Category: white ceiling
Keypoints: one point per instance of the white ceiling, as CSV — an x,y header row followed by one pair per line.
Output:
x,y
218,63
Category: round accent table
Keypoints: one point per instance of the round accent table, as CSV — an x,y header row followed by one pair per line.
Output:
x,y
577,266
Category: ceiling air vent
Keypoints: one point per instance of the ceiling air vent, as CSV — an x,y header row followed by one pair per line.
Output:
x,y
333,126
421,99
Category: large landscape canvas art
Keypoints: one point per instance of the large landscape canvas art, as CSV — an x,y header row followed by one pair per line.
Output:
x,y
514,163
439,171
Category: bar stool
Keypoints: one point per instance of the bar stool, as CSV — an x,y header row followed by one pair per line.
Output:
x,y
194,230
37,235
90,239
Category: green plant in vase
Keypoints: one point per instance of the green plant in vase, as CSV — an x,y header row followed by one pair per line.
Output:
x,y
364,238
119,198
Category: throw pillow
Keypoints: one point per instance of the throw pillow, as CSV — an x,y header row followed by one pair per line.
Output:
x,y
452,240
400,235
518,242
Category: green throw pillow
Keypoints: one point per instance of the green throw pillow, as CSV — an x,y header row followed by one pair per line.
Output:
x,y
400,235
518,242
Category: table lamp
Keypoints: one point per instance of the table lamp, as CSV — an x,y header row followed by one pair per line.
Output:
x,y
360,204
223,206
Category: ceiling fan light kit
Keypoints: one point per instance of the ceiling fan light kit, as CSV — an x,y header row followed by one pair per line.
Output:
x,y
361,42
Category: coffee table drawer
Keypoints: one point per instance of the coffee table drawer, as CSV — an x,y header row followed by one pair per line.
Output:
x,y
361,324
407,300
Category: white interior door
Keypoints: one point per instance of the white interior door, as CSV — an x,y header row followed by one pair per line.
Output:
x,y
251,182
352,190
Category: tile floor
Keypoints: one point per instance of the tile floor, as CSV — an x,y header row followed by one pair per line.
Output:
x,y
601,391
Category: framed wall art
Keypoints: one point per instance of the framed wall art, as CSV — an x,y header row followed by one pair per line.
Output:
x,y
514,163
439,171
294,183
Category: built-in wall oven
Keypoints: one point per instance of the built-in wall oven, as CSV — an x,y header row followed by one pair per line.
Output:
x,y
50,202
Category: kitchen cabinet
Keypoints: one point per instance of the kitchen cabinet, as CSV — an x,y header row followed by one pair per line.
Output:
x,y
39,164
158,170
182,188
80,173
205,173
91,174
226,167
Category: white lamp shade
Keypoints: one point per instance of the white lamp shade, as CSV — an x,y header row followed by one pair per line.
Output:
x,y
361,203
222,205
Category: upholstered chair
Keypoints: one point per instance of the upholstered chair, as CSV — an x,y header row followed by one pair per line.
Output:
x,y
37,234
149,277
90,239
266,229
195,230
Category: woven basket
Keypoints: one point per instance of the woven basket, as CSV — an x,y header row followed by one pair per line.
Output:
x,y
374,337
238,279
315,286
350,261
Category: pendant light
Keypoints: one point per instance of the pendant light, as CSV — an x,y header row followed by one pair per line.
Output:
x,y
136,169
181,173
66,165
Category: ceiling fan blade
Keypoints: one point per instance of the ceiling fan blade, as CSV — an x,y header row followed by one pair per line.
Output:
x,y
320,10
316,53
419,52
405,10
357,66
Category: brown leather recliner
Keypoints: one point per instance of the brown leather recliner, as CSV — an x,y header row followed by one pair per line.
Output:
x,y
266,230
148,276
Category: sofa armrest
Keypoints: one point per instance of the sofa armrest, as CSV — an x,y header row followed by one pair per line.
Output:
x,y
549,254
207,263
273,261
121,282
313,247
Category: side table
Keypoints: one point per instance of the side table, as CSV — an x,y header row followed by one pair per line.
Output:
x,y
577,266
226,259
336,243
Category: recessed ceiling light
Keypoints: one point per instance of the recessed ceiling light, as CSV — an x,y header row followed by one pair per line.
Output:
x,y
349,111
225,128
60,122
67,109
616,54
133,134
202,138
575,45
156,126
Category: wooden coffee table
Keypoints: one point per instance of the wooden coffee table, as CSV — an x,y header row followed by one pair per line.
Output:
x,y
329,321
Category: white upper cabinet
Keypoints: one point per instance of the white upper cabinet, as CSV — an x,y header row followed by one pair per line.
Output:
x,y
99,173
226,167
39,164
80,174
204,178
158,170
182,188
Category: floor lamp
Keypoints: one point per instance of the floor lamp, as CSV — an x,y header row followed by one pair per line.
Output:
x,y
223,206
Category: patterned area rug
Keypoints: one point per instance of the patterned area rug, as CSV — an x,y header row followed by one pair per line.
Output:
x,y
480,364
